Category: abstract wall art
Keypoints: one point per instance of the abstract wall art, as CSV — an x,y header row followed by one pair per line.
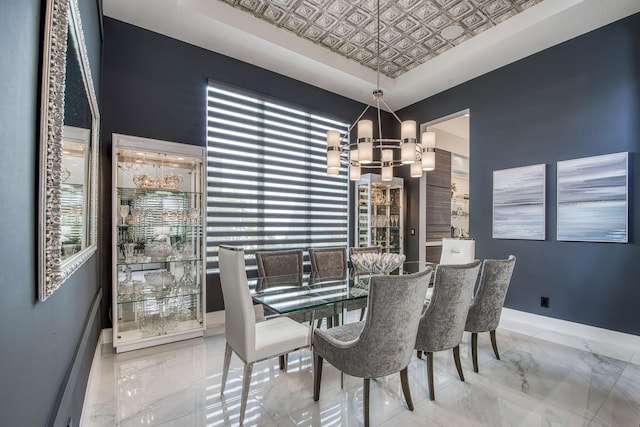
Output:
x,y
593,199
519,203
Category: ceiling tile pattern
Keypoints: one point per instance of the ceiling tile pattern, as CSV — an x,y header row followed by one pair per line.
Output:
x,y
410,30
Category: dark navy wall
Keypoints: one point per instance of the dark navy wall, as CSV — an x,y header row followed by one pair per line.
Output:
x,y
577,99
155,87
47,347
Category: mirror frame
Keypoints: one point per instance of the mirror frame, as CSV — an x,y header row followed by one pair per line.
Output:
x,y
62,17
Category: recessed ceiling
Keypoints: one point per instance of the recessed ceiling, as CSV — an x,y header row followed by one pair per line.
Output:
x,y
411,31
331,44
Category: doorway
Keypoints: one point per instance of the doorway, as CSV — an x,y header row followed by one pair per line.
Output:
x,y
444,192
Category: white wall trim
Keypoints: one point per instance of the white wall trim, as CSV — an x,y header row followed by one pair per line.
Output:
x,y
105,337
521,322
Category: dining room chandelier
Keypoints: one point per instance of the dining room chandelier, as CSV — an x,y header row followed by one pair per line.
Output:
x,y
420,156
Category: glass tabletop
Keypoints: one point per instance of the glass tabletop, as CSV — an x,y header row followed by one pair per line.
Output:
x,y
308,291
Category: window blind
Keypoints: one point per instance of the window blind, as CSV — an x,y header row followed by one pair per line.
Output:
x,y
267,186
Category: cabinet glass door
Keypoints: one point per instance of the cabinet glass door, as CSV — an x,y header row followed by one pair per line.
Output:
x,y
158,245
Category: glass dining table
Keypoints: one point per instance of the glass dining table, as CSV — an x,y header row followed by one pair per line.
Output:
x,y
308,291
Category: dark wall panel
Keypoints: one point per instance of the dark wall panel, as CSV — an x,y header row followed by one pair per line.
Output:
x,y
42,342
577,99
155,87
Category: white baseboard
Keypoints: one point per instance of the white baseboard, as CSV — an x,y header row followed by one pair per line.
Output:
x,y
105,337
522,322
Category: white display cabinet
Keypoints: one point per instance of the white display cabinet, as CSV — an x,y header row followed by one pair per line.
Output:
x,y
158,242
380,213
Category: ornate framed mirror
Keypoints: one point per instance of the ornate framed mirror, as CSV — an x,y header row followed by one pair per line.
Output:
x,y
69,122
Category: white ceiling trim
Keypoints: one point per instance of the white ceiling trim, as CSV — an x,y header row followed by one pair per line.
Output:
x,y
218,27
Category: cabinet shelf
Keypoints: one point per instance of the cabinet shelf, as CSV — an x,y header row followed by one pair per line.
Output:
x,y
136,193
149,261
156,296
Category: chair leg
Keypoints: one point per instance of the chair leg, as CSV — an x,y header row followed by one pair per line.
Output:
x,y
456,358
474,350
362,313
246,381
404,380
329,322
319,323
432,393
317,376
367,385
284,361
494,344
225,366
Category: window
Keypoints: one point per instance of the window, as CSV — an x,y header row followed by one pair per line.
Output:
x,y
266,175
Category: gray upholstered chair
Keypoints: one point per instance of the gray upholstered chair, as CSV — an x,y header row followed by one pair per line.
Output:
x,y
328,259
251,341
486,307
285,263
280,268
443,321
380,345
328,264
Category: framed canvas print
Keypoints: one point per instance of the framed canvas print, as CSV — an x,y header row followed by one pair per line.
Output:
x,y
519,203
593,199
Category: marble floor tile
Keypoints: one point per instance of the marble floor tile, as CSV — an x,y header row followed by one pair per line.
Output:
x,y
482,402
537,382
572,379
604,349
622,407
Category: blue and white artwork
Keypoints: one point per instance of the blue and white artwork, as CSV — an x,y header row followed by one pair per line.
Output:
x,y
519,203
592,199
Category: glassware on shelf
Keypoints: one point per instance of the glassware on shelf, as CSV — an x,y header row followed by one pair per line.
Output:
x,y
129,249
193,214
158,250
135,214
159,280
124,212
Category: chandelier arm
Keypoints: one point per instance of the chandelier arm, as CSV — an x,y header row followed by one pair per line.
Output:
x,y
358,119
392,112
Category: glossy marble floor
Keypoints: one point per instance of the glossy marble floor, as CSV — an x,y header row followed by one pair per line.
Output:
x,y
543,379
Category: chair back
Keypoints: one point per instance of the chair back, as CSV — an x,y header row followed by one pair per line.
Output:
x,y
484,313
442,324
387,339
365,250
457,251
239,317
326,259
286,263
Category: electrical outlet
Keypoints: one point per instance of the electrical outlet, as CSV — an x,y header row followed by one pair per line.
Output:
x,y
544,302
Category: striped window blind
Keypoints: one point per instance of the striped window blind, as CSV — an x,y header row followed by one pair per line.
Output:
x,y
267,186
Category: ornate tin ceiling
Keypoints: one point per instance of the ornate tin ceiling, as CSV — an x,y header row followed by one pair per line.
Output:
x,y
411,31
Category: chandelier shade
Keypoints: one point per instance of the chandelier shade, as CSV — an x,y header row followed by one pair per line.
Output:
x,y
420,156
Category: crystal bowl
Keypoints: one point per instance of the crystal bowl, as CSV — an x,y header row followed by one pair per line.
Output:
x,y
375,263
158,279
158,249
